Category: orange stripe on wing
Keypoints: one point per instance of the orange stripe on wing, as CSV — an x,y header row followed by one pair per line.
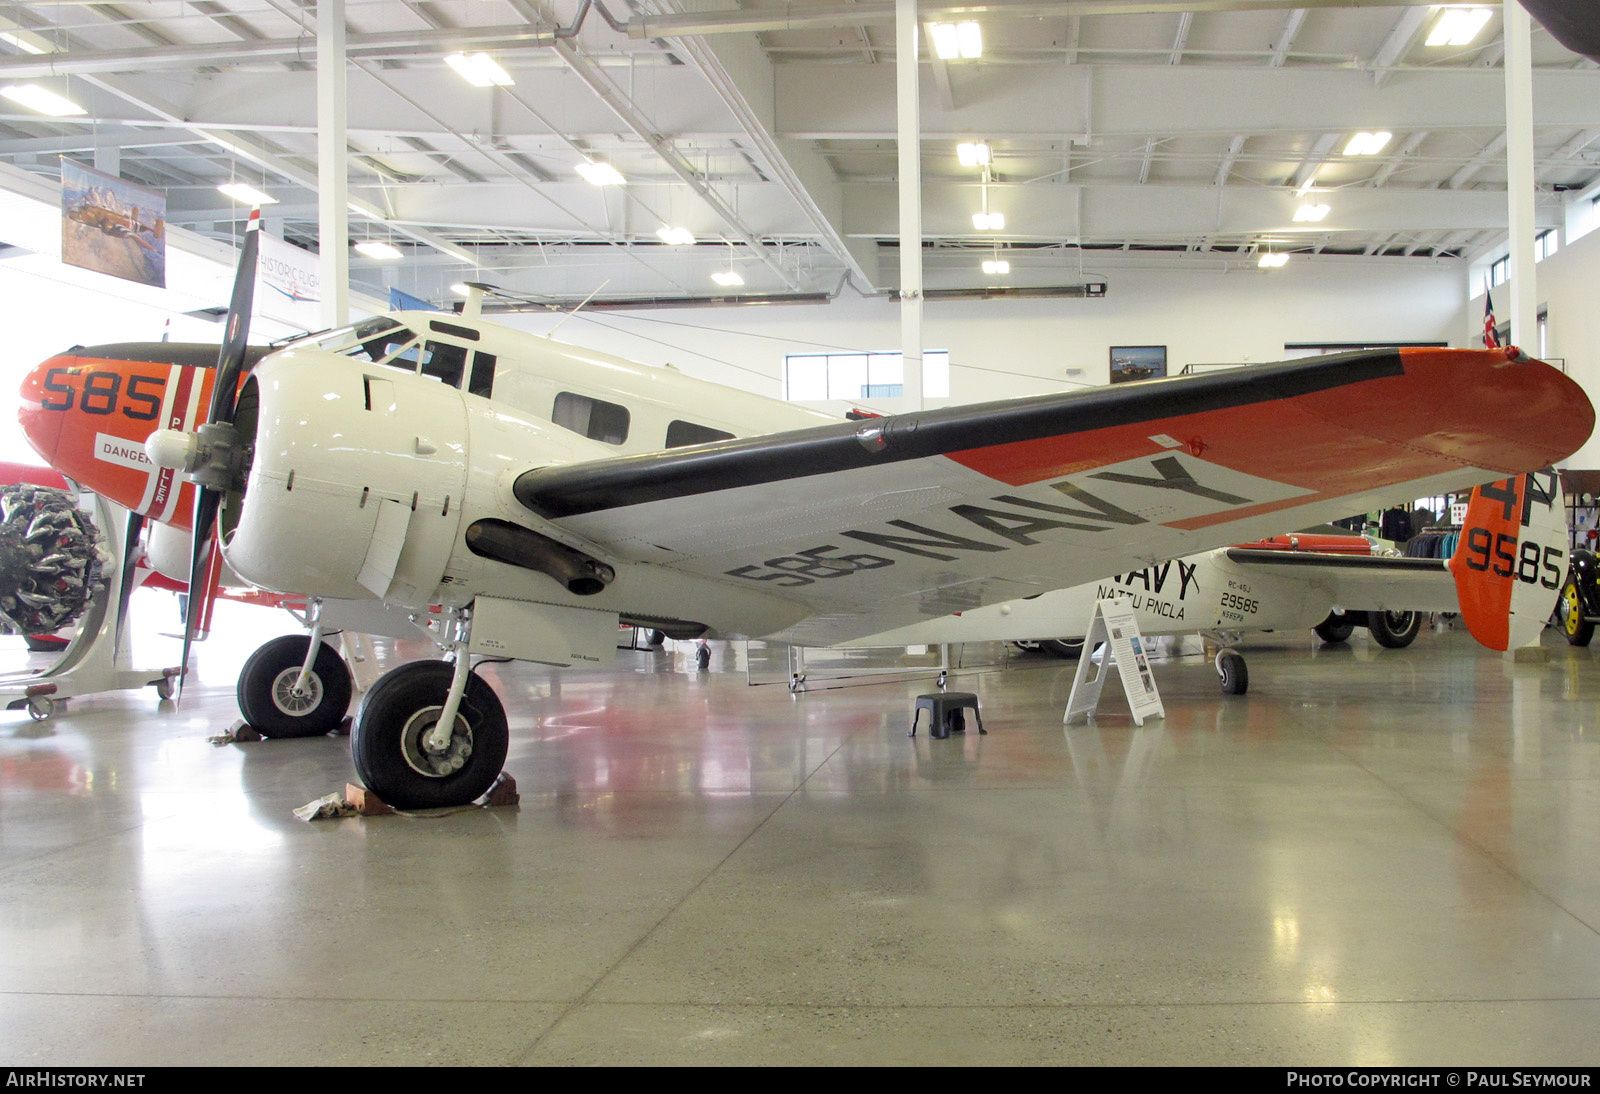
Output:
x,y
1329,441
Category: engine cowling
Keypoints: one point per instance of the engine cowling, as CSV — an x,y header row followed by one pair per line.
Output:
x,y
356,481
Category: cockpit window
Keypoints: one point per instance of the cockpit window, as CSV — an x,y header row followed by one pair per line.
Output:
x,y
378,340
444,362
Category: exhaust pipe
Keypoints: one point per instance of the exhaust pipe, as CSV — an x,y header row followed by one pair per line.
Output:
x,y
515,545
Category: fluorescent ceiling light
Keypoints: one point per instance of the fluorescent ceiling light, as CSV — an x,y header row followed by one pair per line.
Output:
x,y
988,222
996,266
460,289
41,98
24,40
675,237
600,174
973,154
479,69
1311,213
727,278
247,194
1271,261
1368,144
378,250
952,41
1459,26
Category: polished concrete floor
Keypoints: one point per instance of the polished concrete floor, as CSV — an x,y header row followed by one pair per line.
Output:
x,y
1376,857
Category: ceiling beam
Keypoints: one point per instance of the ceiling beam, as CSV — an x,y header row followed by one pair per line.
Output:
x,y
855,102
882,11
1396,44
1286,36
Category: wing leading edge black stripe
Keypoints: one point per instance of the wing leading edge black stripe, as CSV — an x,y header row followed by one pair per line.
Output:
x,y
722,465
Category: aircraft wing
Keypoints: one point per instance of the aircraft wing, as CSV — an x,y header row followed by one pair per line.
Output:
x,y
1360,582
868,525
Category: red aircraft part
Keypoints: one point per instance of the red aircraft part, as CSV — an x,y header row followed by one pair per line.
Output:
x,y
1322,544
89,417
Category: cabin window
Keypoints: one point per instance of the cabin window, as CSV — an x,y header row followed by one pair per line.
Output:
x,y
685,433
482,380
594,418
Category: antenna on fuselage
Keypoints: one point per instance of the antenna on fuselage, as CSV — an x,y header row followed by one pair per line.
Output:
x,y
581,303
473,308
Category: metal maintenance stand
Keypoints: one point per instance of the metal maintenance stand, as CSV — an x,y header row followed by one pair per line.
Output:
x,y
97,659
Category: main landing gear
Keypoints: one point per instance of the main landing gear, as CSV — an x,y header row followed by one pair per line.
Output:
x,y
296,685
275,699
1392,630
431,734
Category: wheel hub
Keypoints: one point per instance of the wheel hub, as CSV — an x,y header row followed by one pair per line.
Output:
x,y
435,763
1571,615
296,703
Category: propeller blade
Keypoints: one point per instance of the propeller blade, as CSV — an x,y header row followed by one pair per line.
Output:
x,y
205,509
230,356
224,405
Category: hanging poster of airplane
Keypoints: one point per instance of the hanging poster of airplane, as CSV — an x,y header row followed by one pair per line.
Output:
x,y
526,496
112,226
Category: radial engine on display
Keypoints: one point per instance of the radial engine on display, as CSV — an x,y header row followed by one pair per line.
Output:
x,y
50,559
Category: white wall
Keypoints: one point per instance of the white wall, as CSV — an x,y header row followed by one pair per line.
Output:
x,y
1001,348
1568,287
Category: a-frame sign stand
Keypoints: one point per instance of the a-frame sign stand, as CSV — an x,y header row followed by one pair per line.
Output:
x,y
1113,624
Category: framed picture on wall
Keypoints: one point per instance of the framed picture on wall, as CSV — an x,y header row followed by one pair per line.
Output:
x,y
1137,363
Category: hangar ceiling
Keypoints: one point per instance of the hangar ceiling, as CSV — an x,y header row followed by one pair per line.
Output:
x,y
1183,132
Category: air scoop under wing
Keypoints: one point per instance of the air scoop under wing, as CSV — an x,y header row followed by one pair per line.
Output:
x,y
864,526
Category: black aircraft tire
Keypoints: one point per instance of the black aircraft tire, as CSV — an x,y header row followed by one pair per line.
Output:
x,y
1569,613
1235,677
266,698
1335,628
385,742
1394,630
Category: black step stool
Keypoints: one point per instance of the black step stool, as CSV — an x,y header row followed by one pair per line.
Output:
x,y
945,713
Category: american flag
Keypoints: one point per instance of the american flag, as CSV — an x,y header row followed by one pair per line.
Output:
x,y
1491,337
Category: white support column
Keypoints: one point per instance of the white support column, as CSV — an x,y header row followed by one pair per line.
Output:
x,y
909,139
333,211
1519,176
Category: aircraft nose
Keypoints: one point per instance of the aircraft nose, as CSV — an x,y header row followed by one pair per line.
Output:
x,y
39,410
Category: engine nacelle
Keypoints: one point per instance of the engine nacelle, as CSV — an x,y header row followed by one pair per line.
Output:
x,y
356,485
360,485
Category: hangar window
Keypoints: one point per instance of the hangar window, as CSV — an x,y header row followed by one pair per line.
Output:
x,y
594,418
684,433
811,377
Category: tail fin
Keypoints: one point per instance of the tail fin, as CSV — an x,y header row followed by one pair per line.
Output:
x,y
1511,558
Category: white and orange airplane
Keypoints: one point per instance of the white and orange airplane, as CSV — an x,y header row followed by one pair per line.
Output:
x,y
531,494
